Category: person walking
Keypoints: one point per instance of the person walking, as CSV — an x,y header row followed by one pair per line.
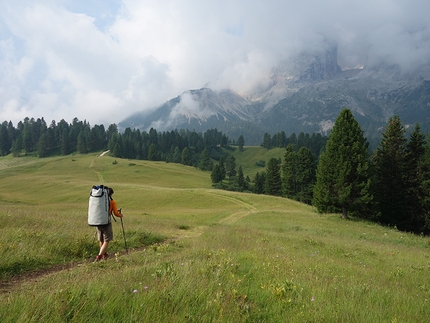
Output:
x,y
105,232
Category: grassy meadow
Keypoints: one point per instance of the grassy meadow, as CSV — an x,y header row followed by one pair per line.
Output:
x,y
195,254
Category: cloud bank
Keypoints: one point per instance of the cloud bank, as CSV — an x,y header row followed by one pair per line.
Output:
x,y
101,61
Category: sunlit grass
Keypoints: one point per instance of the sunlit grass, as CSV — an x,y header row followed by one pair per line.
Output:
x,y
208,256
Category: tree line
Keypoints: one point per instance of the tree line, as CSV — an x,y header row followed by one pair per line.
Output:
x,y
40,139
335,174
391,186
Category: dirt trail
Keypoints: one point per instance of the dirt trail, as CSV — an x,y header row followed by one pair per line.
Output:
x,y
99,175
8,285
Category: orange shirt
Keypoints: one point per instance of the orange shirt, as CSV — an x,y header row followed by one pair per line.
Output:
x,y
114,209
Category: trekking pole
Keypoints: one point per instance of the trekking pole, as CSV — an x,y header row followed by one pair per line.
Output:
x,y
94,240
123,232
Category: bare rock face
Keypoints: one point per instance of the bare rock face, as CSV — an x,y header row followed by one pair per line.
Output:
x,y
302,94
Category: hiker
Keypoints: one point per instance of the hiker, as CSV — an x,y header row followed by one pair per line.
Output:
x,y
105,232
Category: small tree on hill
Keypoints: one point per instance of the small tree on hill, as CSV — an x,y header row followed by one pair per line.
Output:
x,y
241,143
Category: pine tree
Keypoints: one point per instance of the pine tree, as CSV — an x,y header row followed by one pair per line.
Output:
x,y
222,168
417,175
390,183
17,146
305,175
216,175
185,157
42,146
241,143
152,152
273,184
176,155
116,150
259,183
230,166
289,171
205,162
241,180
342,182
82,144
4,140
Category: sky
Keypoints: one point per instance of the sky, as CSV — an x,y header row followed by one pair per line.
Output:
x,y
103,60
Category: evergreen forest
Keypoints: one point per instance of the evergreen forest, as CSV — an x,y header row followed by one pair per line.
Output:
x,y
336,174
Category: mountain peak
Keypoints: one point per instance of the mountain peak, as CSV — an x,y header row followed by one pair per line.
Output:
x,y
302,94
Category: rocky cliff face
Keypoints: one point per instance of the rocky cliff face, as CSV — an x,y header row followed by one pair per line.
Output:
x,y
305,94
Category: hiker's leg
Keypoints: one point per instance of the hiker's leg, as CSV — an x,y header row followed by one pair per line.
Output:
x,y
103,247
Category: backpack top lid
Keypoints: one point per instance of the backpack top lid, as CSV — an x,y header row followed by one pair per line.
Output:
x,y
99,190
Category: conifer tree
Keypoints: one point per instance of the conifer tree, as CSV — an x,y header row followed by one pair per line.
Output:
x,y
241,180
289,172
230,166
305,175
417,175
185,157
222,168
4,140
273,184
205,162
82,144
42,150
152,152
241,143
216,175
390,183
259,182
342,182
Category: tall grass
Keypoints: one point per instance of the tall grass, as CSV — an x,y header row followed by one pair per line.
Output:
x,y
226,256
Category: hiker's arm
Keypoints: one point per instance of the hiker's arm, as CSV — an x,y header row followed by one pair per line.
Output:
x,y
114,209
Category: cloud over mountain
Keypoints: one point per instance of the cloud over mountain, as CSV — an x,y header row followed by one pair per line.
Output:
x,y
102,61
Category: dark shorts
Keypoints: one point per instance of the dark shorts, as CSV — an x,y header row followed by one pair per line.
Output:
x,y
105,233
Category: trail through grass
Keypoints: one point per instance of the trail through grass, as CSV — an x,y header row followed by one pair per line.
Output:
x,y
198,254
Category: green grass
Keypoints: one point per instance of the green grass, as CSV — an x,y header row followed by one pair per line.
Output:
x,y
251,155
196,254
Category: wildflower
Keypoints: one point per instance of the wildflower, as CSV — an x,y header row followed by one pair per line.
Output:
x,y
135,291
312,299
146,287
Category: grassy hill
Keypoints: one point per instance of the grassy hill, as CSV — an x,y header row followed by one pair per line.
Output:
x,y
253,154
195,254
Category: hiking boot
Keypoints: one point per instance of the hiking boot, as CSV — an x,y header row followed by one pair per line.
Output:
x,y
105,256
98,258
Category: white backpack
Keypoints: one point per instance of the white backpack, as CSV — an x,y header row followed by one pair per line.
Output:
x,y
98,206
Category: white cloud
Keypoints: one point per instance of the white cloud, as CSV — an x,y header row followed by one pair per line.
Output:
x,y
65,59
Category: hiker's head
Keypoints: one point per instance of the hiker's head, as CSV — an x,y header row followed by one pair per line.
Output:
x,y
110,191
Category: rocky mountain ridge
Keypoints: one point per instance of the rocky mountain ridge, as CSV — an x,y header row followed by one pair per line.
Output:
x,y
303,94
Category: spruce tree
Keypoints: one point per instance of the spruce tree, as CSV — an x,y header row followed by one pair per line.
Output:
x,y
185,157
216,175
305,175
241,180
342,179
230,166
222,168
289,172
417,174
241,143
273,184
390,182
259,182
4,140
205,162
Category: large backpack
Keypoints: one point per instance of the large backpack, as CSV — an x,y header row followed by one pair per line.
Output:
x,y
98,206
